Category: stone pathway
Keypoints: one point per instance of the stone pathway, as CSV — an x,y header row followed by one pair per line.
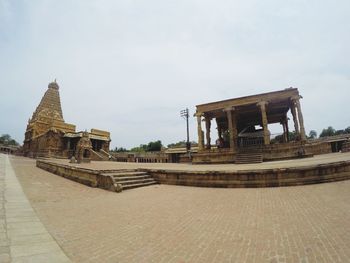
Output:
x,y
23,238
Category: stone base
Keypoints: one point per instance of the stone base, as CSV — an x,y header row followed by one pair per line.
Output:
x,y
84,160
268,177
214,156
272,152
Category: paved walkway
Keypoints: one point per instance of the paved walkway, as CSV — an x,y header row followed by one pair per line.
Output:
x,y
23,238
316,160
165,223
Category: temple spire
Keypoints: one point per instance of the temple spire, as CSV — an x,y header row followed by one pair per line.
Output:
x,y
50,101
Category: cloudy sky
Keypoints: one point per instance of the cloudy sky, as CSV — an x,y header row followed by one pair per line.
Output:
x,y
130,66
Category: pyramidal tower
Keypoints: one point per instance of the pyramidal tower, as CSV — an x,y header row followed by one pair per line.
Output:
x,y
50,101
46,119
48,135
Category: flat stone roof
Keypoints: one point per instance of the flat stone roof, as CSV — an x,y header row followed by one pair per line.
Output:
x,y
247,100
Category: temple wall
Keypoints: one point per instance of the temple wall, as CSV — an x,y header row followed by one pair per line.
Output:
x,y
213,156
256,178
141,157
291,150
280,151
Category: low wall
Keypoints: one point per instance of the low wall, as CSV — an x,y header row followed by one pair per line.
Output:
x,y
272,152
149,157
213,156
256,178
88,177
312,174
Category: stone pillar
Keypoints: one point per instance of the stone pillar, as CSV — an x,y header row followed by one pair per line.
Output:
x,y
262,106
300,118
295,120
287,129
207,135
200,132
218,124
232,127
284,130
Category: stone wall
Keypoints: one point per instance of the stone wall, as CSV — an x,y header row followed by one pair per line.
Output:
x,y
256,178
271,152
88,177
229,179
213,156
151,157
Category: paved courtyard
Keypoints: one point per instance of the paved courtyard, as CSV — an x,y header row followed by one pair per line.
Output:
x,y
164,223
316,160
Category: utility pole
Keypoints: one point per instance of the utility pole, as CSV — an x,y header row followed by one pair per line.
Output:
x,y
185,115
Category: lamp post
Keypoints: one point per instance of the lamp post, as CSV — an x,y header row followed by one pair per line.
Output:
x,y
185,115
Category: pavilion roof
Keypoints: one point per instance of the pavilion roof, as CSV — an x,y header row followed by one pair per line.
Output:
x,y
270,97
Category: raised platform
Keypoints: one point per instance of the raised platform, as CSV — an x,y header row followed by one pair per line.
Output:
x,y
271,152
318,169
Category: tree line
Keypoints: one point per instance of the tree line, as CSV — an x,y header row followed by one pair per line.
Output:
x,y
6,139
329,131
155,146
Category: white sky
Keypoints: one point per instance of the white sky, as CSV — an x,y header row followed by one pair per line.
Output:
x,y
129,67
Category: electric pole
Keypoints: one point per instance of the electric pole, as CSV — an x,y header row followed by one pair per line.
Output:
x,y
185,115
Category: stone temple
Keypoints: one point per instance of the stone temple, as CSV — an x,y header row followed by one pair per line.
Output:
x,y
48,135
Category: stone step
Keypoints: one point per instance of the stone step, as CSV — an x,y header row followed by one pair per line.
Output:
x,y
246,158
249,155
248,162
121,187
135,181
122,173
127,178
249,158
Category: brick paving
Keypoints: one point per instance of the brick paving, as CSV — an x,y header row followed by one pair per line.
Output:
x,y
164,223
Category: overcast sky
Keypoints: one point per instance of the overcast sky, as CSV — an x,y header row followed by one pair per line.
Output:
x,y
129,67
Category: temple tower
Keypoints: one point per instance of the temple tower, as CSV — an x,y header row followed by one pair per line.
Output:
x,y
47,125
50,101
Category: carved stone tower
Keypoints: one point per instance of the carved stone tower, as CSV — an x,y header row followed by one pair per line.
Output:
x,y
42,134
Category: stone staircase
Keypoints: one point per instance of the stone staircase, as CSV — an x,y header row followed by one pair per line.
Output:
x,y
128,179
96,156
249,156
106,155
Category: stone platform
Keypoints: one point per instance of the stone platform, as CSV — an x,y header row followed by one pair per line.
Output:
x,y
318,169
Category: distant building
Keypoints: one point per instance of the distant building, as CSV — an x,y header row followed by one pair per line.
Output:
x,y
48,135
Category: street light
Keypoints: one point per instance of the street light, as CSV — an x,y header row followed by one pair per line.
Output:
x,y
185,115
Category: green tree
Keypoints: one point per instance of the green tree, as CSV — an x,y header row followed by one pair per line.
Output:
x,y
121,149
154,146
7,140
338,132
312,134
177,144
330,131
180,144
150,147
